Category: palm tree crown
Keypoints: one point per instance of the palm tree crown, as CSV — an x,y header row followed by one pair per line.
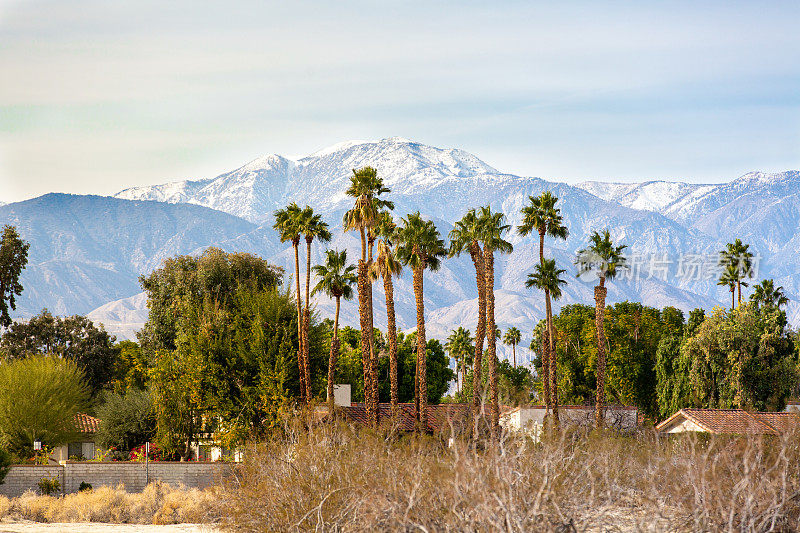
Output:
x,y
288,222
768,295
547,276
336,277
512,336
312,226
601,256
492,227
737,256
419,244
543,216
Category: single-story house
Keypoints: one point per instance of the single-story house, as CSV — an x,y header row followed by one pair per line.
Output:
x,y
729,422
531,418
84,447
792,406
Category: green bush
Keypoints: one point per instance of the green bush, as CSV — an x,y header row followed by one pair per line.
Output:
x,y
49,486
5,464
84,486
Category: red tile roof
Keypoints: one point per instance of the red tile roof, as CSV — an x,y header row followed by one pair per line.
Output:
x,y
735,421
86,424
440,416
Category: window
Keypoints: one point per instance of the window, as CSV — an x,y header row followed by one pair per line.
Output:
x,y
74,450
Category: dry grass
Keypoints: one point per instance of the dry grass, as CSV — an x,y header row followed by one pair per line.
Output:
x,y
342,479
159,503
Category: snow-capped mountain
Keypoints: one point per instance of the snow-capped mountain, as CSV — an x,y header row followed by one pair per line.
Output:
x,y
661,222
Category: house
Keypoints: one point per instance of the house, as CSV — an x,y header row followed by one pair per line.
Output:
x,y
531,418
84,447
792,406
729,422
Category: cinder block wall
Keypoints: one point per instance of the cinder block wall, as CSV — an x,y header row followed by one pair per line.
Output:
x,y
26,477
133,476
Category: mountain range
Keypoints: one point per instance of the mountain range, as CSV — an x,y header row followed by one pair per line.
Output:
x,y
87,251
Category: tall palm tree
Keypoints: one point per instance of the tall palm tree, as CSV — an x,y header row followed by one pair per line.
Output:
x,y
459,346
466,236
512,338
336,279
365,187
312,227
767,295
606,260
287,224
729,278
542,215
492,228
420,247
739,256
547,277
386,265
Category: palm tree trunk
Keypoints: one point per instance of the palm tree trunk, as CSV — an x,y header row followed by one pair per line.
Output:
x,y
600,293
306,320
301,366
421,398
546,343
480,331
552,349
334,355
372,355
739,288
733,298
491,345
391,333
365,337
514,351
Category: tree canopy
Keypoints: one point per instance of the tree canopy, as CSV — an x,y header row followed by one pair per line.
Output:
x,y
13,258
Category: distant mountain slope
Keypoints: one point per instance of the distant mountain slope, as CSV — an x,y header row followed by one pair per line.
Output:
x,y
87,250
660,222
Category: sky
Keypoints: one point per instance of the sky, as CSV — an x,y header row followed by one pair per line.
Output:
x,y
98,96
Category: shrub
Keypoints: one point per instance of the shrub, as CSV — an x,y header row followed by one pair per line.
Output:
x,y
5,464
84,486
48,486
344,479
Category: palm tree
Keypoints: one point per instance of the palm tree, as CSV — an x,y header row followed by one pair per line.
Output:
x,y
287,224
336,279
420,247
767,295
545,218
738,255
729,278
512,338
386,265
312,227
492,228
466,236
365,187
547,277
459,346
605,259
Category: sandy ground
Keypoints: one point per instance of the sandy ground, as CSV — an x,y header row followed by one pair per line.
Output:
x,y
94,527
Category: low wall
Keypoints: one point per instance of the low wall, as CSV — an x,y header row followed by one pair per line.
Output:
x,y
26,477
134,476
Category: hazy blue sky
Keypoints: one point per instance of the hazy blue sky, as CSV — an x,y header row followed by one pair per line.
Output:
x,y
101,95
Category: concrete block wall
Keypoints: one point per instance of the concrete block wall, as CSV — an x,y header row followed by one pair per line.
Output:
x,y
133,476
22,478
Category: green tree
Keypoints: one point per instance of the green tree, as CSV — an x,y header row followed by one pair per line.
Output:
x,y
547,277
765,294
605,259
738,257
512,338
420,247
336,279
542,216
39,398
288,223
730,279
387,266
466,236
742,359
312,227
126,420
72,337
459,346
13,258
366,187
492,229
131,369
